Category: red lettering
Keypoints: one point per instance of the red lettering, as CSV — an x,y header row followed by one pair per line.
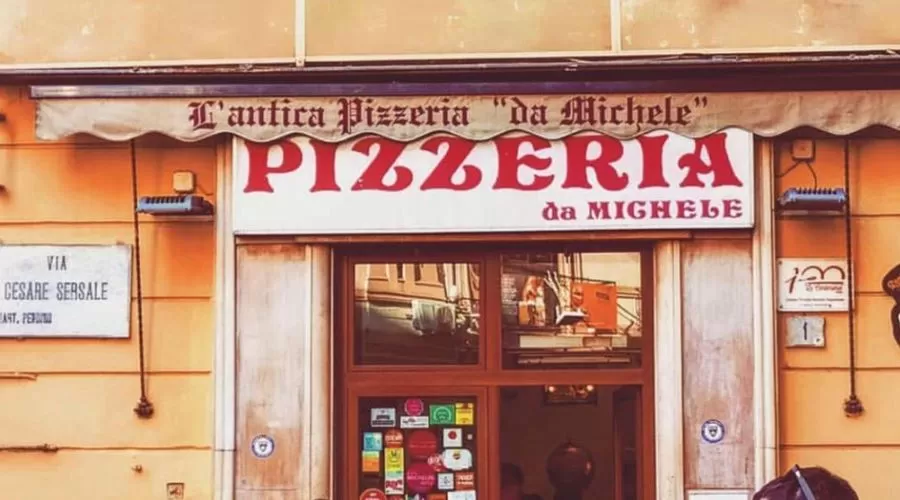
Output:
x,y
598,210
373,177
659,209
457,151
708,210
636,210
509,161
325,175
578,163
258,168
686,209
733,209
652,152
719,164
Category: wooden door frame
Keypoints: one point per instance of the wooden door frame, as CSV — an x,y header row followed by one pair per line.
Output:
x,y
485,379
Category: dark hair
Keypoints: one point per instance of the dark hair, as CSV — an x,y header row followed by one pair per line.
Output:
x,y
823,484
511,474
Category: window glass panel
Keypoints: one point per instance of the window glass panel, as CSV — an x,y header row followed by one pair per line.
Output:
x,y
571,310
417,446
581,441
416,314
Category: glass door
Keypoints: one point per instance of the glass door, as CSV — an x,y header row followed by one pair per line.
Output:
x,y
493,373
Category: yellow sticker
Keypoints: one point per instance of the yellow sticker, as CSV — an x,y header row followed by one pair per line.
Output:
x,y
371,461
393,460
465,413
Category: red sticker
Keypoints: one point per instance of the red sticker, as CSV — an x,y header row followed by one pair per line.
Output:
x,y
421,444
393,438
420,478
436,462
465,480
414,407
373,494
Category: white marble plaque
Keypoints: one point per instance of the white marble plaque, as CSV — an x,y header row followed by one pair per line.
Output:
x,y
65,291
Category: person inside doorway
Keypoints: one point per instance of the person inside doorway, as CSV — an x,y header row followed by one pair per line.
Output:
x,y
512,484
808,483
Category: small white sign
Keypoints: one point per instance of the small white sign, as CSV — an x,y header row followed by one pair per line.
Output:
x,y
812,285
65,291
719,495
461,495
452,437
805,331
383,417
445,481
262,446
407,422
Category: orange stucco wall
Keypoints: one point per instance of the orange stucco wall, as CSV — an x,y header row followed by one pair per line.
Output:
x,y
815,382
334,27
52,32
83,392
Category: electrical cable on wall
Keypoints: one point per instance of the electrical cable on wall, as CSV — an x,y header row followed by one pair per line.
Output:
x,y
852,405
144,408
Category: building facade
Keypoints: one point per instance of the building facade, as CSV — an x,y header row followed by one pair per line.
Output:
x,y
267,342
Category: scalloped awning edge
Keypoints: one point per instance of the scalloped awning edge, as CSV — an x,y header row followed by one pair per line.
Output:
x,y
335,119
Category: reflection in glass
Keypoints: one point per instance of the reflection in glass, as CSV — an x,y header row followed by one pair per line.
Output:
x,y
571,309
416,313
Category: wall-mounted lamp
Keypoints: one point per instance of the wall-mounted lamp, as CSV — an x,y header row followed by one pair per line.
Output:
x,y
813,199
189,204
184,183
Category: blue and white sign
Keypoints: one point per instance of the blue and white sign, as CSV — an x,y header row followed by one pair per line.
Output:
x,y
262,446
712,431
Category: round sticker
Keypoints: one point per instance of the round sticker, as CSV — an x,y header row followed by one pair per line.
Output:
x,y
414,407
712,431
420,478
393,438
436,462
421,444
262,446
373,494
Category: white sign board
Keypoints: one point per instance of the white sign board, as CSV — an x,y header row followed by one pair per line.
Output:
x,y
812,285
516,182
65,291
719,495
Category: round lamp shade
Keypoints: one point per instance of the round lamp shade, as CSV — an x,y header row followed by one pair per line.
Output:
x,y
570,467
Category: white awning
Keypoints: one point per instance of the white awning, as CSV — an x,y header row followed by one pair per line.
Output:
x,y
479,117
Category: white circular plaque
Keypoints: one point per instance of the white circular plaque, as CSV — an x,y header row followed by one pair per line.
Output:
x,y
712,431
262,446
